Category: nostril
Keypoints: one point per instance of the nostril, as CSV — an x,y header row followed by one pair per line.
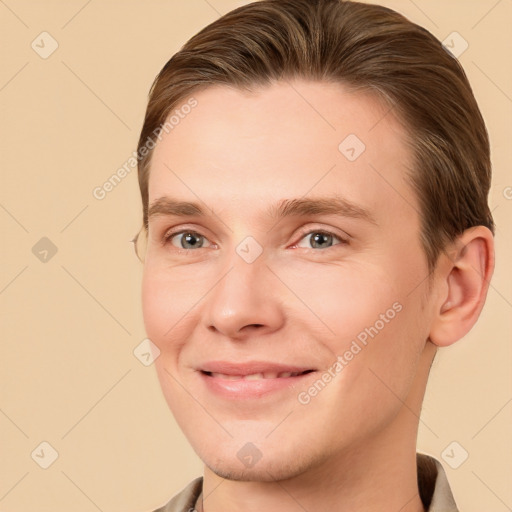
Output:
x,y
249,327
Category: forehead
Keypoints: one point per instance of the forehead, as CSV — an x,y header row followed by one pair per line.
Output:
x,y
284,141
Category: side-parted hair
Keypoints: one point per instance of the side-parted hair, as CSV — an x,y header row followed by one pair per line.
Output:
x,y
364,47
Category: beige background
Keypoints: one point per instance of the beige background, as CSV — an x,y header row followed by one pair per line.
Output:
x,y
68,374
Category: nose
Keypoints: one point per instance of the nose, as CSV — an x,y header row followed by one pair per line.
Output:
x,y
245,300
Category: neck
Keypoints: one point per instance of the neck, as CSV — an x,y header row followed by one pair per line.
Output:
x,y
378,475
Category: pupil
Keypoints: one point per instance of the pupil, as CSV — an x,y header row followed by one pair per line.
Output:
x,y
188,238
318,237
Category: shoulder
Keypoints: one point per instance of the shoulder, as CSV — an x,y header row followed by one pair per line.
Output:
x,y
433,485
184,501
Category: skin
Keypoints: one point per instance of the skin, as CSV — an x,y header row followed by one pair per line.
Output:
x,y
352,447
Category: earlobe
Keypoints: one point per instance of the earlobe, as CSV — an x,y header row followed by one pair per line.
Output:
x,y
467,268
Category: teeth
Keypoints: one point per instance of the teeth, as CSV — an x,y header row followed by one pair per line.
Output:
x,y
255,376
227,377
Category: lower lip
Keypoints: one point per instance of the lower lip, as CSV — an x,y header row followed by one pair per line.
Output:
x,y
243,389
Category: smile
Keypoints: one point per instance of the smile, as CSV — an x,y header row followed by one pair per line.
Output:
x,y
250,380
257,376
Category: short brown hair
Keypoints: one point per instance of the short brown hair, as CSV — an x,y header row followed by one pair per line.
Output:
x,y
365,47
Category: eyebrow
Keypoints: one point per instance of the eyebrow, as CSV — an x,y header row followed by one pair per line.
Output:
x,y
334,205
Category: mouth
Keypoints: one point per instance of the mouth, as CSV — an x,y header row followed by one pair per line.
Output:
x,y
256,376
251,380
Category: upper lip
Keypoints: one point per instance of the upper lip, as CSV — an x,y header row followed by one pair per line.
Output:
x,y
250,368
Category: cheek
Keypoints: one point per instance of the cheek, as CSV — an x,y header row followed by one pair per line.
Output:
x,y
365,314
164,308
342,299
169,296
154,305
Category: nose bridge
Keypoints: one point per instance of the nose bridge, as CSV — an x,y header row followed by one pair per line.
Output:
x,y
243,295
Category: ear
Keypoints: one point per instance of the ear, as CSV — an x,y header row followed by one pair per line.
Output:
x,y
464,272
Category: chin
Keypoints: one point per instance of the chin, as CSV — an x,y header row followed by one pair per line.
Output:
x,y
261,474
277,468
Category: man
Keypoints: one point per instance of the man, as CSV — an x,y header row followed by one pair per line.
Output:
x,y
314,178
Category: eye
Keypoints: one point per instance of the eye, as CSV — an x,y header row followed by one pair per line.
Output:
x,y
319,239
186,240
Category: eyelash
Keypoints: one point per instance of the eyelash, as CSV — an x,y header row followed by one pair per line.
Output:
x,y
171,234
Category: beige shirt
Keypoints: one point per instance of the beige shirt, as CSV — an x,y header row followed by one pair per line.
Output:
x,y
432,482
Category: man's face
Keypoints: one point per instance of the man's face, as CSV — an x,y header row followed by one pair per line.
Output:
x,y
251,310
